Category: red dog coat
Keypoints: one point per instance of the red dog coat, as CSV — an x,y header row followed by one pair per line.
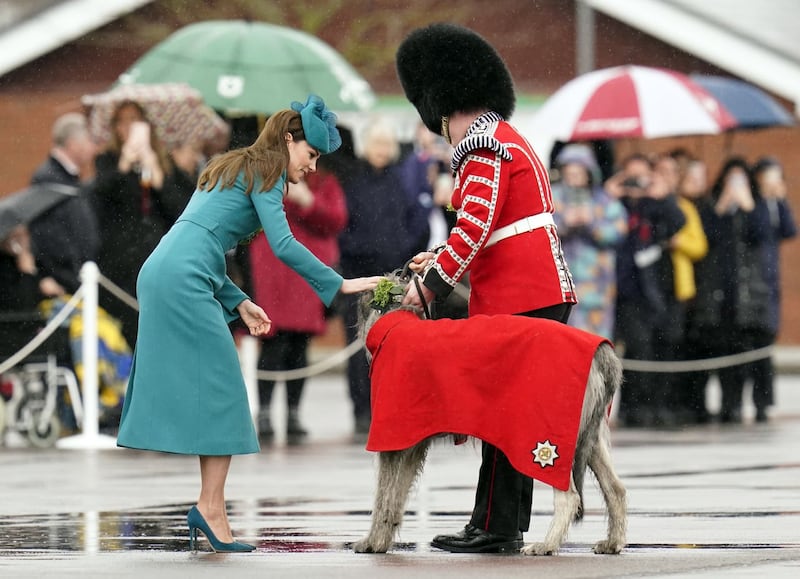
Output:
x,y
513,381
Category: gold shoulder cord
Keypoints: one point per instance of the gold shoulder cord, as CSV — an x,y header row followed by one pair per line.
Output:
x,y
446,130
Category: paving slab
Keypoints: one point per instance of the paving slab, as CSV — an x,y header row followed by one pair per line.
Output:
x,y
706,501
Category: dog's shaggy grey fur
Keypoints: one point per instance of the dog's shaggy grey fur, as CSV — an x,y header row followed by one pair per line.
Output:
x,y
398,470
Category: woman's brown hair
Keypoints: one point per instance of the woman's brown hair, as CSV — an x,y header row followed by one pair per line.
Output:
x,y
262,162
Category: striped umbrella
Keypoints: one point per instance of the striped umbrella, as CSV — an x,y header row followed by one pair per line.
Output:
x,y
628,102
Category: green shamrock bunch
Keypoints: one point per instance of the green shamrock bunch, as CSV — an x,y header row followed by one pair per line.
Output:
x,y
385,293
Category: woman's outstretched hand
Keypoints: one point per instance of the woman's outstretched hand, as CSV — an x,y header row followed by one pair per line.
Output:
x,y
255,318
360,284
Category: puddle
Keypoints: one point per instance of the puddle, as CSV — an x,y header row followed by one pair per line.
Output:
x,y
164,529
288,526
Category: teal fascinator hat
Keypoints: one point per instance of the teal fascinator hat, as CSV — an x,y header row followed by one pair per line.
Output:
x,y
319,124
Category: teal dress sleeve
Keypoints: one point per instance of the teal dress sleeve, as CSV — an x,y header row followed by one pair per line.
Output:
x,y
269,205
230,296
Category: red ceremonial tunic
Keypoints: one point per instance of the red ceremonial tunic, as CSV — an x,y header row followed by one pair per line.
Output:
x,y
500,180
513,381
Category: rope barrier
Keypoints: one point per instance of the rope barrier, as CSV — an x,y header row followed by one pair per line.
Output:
x,y
706,364
341,356
45,333
315,368
118,292
660,367
87,293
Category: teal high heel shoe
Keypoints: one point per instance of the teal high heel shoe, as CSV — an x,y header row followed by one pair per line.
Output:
x,y
196,521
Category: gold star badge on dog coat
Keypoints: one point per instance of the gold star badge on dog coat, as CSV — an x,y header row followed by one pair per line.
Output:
x,y
545,453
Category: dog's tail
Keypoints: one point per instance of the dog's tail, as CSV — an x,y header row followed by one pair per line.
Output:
x,y
605,377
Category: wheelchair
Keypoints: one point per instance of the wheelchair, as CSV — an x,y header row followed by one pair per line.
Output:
x,y
29,391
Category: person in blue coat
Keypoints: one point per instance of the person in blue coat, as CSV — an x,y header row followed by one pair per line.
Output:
x,y
186,392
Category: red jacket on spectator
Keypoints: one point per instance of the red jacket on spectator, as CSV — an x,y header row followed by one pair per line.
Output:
x,y
289,302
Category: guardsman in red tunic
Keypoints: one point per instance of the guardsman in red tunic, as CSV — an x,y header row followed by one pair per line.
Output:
x,y
504,235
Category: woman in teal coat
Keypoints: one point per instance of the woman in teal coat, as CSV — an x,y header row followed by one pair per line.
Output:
x,y
186,392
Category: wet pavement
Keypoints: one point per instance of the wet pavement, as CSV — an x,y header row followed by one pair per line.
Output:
x,y
705,501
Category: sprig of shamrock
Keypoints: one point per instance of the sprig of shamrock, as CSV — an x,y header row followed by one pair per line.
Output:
x,y
385,292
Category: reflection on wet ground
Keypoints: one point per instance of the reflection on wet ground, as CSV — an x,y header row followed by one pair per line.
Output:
x,y
703,501
158,528
164,529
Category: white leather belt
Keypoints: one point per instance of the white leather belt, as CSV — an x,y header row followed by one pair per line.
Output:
x,y
523,225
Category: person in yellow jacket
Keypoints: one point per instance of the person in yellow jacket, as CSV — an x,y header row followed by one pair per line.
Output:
x,y
690,244
687,247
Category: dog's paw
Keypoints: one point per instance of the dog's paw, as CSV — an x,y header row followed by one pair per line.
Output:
x,y
539,549
608,547
363,546
366,546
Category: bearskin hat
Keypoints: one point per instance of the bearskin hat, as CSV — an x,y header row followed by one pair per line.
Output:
x,y
445,68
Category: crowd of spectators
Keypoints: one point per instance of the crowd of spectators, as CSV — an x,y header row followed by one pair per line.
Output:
x,y
697,279
669,263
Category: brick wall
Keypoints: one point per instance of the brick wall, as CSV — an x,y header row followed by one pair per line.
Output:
x,y
535,37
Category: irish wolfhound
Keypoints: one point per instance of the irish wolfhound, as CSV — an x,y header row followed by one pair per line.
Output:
x,y
399,468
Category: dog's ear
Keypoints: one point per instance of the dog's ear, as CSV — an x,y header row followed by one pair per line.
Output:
x,y
364,304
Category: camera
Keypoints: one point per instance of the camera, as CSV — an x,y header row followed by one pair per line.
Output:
x,y
632,183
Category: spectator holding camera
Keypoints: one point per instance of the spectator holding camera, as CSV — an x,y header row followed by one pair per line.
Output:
x,y
771,187
733,304
129,200
645,287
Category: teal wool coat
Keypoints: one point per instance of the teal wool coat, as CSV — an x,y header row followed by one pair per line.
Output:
x,y
186,393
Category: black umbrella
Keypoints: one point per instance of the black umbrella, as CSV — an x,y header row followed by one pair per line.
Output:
x,y
26,205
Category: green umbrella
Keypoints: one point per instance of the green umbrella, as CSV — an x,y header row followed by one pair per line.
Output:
x,y
244,68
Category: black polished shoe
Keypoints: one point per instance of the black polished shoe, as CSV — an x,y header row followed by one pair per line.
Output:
x,y
475,540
